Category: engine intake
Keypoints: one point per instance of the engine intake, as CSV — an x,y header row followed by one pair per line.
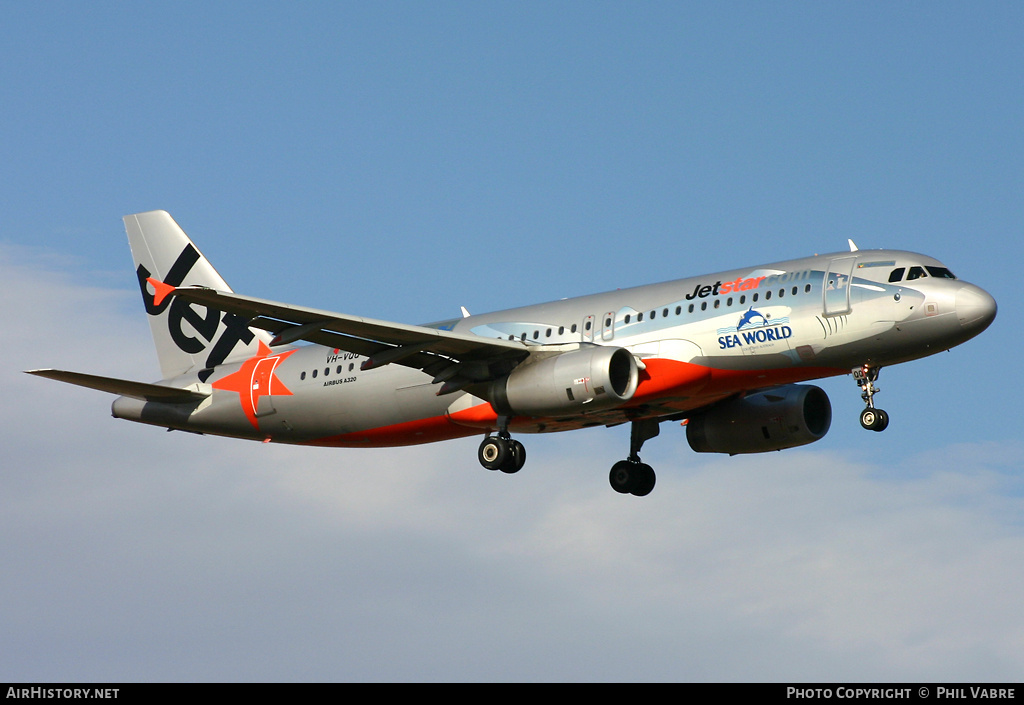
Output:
x,y
783,417
591,379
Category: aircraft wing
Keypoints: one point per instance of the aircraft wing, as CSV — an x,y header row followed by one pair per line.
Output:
x,y
432,350
123,387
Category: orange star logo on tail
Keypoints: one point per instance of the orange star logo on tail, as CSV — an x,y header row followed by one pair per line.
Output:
x,y
256,379
160,290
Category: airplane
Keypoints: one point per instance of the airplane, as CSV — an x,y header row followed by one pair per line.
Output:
x,y
725,354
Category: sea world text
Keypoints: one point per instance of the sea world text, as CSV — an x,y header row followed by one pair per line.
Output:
x,y
754,337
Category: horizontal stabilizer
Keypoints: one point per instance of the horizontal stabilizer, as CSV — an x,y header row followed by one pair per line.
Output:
x,y
136,390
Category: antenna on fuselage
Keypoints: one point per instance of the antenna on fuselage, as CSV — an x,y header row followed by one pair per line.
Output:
x,y
853,245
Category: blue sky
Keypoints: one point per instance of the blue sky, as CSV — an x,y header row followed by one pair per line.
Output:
x,y
400,160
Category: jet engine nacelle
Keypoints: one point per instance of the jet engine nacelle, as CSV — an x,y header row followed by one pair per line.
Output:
x,y
783,417
590,379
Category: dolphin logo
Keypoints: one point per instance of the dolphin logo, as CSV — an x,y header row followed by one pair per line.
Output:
x,y
749,315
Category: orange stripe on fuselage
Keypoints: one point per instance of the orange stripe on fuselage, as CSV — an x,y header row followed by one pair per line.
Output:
x,y
670,378
409,433
732,381
662,379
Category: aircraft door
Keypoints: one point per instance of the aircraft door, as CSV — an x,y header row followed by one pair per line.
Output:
x,y
261,386
588,329
608,329
837,286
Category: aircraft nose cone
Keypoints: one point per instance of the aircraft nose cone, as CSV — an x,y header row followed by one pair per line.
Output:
x,y
975,308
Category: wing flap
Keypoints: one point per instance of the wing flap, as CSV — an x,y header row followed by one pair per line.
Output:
x,y
123,387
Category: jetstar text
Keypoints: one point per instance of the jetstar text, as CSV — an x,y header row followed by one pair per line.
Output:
x,y
701,291
720,287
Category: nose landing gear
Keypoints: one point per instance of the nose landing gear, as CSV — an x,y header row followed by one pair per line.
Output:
x,y
629,476
871,418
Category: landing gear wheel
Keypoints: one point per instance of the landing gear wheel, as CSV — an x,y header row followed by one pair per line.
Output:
x,y
632,477
883,422
645,482
505,454
871,418
874,419
516,458
494,453
621,476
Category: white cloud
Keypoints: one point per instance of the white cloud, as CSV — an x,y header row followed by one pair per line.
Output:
x,y
135,554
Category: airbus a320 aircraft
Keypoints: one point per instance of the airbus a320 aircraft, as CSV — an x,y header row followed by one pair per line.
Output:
x,y
723,353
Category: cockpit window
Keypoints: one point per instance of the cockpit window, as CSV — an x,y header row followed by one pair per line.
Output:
x,y
916,273
941,273
897,274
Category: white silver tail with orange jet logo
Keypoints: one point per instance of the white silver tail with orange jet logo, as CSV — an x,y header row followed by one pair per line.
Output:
x,y
188,336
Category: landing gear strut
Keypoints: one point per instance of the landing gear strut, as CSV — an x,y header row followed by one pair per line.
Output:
x,y
502,452
630,476
871,418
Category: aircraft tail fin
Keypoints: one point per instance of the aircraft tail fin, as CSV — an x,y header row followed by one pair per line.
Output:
x,y
187,336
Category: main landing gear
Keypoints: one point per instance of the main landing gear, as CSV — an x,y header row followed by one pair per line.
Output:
x,y
630,476
871,418
502,452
